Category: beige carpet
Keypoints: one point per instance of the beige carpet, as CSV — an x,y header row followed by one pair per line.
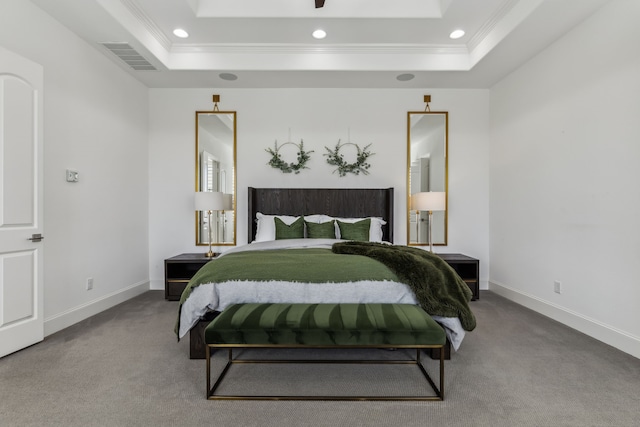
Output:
x,y
125,368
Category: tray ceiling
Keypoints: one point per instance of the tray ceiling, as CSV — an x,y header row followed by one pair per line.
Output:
x,y
369,43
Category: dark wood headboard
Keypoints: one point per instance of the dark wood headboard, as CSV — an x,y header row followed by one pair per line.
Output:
x,y
337,202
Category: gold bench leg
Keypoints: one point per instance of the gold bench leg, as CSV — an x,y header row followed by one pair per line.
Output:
x,y
212,390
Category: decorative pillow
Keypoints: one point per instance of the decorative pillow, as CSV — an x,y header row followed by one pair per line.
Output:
x,y
325,230
375,231
293,231
266,229
355,230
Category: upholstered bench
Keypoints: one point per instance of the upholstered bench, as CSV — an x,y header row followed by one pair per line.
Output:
x,y
357,326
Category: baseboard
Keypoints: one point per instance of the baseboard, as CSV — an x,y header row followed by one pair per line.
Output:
x,y
157,285
602,332
74,315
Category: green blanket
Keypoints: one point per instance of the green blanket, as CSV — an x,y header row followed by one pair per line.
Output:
x,y
436,285
309,265
438,288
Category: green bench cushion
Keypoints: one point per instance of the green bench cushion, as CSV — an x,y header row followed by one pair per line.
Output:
x,y
324,324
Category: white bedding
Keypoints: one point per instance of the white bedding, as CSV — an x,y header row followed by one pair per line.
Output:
x,y
218,296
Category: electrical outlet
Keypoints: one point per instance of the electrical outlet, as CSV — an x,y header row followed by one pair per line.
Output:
x,y
90,283
557,287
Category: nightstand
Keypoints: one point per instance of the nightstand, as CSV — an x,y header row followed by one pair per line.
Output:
x,y
467,268
178,270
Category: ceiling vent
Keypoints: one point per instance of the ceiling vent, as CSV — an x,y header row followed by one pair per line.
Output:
x,y
129,55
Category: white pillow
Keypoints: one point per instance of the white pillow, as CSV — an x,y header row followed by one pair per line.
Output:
x,y
375,229
318,219
266,229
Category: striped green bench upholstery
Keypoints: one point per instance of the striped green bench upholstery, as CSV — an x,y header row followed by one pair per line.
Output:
x,y
325,324
255,325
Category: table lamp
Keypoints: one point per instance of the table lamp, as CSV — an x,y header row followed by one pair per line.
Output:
x,y
429,201
209,201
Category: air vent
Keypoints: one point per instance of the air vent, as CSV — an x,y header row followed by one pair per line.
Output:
x,y
129,55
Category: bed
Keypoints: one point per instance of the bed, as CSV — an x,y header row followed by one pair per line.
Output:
x,y
294,279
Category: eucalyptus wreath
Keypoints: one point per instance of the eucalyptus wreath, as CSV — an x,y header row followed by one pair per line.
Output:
x,y
334,158
277,162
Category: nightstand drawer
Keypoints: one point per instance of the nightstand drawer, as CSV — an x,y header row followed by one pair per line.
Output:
x,y
178,270
174,289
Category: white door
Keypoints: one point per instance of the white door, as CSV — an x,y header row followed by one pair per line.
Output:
x,y
21,263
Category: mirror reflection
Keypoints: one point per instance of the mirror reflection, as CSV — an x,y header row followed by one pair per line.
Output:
x,y
215,171
427,139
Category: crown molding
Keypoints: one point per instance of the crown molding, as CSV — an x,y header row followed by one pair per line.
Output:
x,y
491,23
148,24
283,48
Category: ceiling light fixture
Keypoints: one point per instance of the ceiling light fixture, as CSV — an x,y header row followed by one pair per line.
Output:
x,y
179,32
456,34
405,77
319,34
228,76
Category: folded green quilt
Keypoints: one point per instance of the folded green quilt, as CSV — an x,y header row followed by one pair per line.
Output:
x,y
309,265
438,288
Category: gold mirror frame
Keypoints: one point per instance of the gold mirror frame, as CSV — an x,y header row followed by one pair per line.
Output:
x,y
427,147
216,171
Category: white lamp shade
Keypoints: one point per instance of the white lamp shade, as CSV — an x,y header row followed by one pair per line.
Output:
x,y
209,201
429,201
227,201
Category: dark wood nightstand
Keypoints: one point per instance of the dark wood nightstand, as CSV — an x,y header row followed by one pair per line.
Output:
x,y
178,270
467,268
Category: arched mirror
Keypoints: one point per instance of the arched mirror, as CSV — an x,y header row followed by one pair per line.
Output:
x,y
427,147
216,171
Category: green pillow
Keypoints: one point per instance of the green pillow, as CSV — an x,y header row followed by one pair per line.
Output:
x,y
355,231
293,231
326,230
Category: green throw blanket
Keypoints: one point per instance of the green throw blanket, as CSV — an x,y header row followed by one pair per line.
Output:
x,y
438,288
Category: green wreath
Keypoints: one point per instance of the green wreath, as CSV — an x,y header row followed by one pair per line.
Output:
x,y
277,162
334,158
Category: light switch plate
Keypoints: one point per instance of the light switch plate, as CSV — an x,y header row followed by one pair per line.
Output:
x,y
72,176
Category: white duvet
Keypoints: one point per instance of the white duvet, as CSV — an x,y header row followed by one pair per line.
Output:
x,y
218,296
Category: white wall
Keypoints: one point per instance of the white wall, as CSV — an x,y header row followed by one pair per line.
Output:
x,y
95,121
564,179
319,117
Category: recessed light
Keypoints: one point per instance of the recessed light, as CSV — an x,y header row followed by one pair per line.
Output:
x,y
228,76
179,32
319,34
456,34
405,77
